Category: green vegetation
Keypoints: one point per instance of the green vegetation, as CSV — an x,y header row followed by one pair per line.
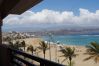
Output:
x,y
43,46
68,53
93,51
23,44
31,49
17,45
72,63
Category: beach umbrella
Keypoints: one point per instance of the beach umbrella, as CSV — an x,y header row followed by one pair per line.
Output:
x,y
14,7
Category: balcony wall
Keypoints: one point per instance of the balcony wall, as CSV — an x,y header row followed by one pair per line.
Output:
x,y
10,57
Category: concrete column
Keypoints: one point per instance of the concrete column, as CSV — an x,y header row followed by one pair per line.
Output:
x,y
5,56
5,53
0,29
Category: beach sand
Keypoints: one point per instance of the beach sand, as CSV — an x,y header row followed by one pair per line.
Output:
x,y
55,54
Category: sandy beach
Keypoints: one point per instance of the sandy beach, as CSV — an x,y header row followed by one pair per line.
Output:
x,y
55,54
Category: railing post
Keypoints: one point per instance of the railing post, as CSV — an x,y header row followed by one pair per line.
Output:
x,y
42,64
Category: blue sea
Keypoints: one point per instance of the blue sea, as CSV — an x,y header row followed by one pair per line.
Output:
x,y
81,40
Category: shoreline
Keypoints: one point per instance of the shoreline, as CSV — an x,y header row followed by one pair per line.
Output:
x,y
80,50
52,43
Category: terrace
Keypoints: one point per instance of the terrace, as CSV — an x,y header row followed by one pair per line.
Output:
x,y
9,56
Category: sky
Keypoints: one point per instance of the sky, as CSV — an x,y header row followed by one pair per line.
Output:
x,y
56,14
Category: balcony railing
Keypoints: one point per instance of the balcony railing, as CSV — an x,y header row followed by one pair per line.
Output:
x,y
18,58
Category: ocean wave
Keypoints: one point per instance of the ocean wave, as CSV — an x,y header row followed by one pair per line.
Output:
x,y
89,35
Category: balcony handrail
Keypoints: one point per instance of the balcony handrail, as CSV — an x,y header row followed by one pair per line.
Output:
x,y
43,62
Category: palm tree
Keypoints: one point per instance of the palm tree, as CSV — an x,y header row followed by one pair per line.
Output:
x,y
17,45
31,49
7,39
23,44
11,44
93,51
43,46
68,53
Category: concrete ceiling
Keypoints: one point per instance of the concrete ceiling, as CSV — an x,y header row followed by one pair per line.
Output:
x,y
1,1
16,6
24,5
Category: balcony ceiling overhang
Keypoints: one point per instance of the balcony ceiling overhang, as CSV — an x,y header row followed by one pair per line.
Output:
x,y
16,6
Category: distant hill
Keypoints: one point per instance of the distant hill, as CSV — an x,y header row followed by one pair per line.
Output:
x,y
56,31
68,32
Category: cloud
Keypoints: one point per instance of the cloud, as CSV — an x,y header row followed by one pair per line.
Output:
x,y
53,18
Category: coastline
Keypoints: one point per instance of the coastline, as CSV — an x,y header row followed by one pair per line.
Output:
x,y
78,61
